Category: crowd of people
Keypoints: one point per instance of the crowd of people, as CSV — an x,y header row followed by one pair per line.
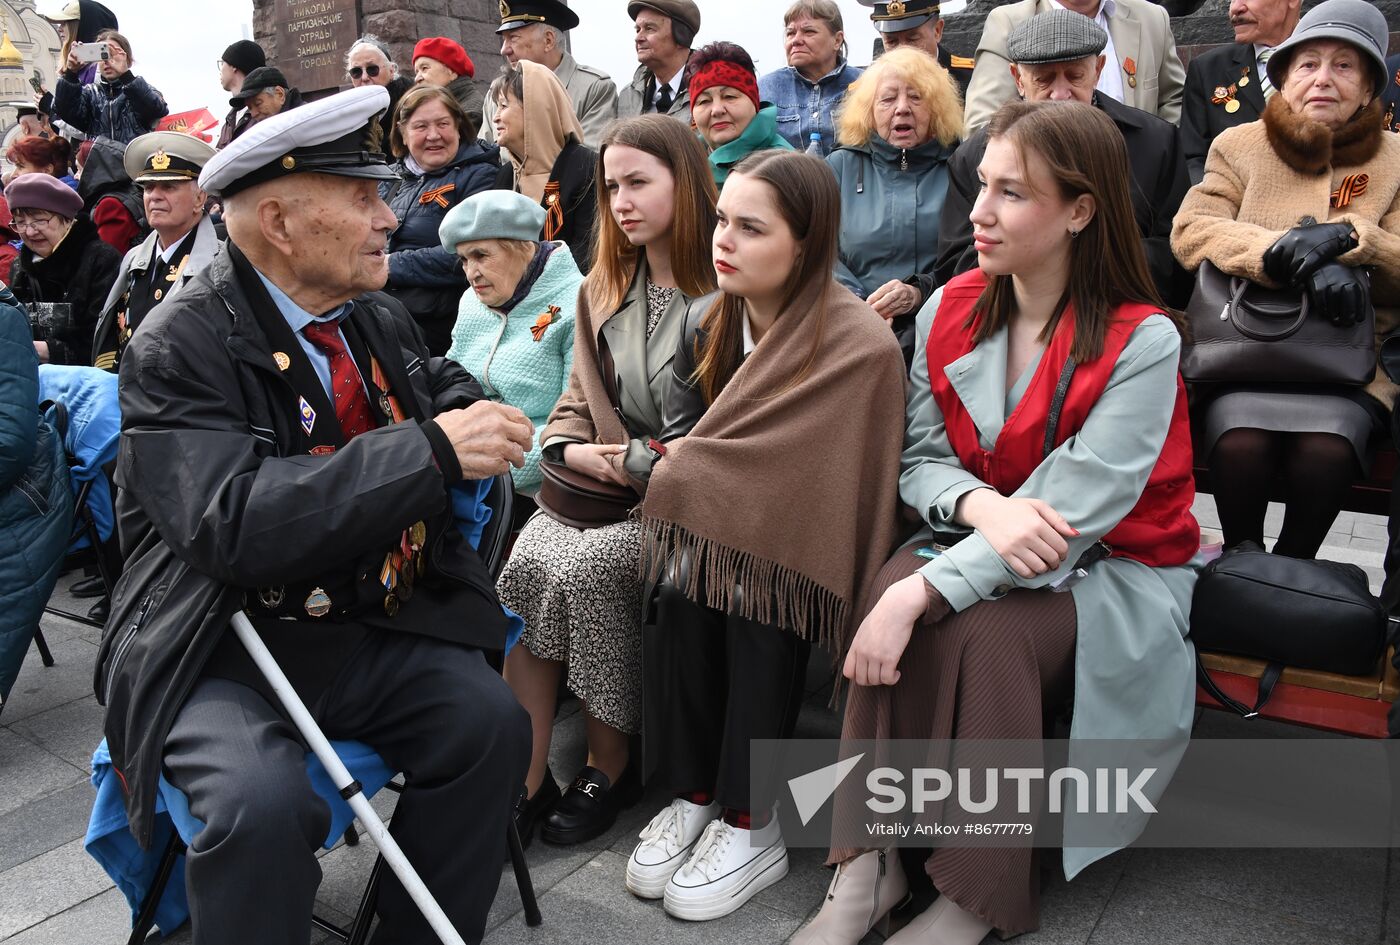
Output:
x,y
881,362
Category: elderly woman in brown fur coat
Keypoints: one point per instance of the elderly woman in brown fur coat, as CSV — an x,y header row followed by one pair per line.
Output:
x,y
1309,197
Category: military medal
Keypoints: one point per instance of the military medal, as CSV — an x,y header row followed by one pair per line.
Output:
x,y
385,407
318,602
271,597
1225,95
1130,68
1232,106
308,416
283,362
158,294
1244,77
418,534
391,605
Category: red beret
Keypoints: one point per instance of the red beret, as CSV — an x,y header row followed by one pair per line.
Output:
x,y
445,51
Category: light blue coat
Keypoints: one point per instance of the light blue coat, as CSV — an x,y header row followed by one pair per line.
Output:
x,y
1134,669
501,352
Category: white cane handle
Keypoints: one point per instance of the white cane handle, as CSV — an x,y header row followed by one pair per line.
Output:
x,y
349,788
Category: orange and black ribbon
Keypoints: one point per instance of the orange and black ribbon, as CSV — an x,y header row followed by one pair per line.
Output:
x,y
1353,185
541,325
553,212
438,195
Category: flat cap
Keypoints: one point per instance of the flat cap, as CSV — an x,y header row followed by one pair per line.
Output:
x,y
259,80
518,13
684,10
896,16
492,215
165,155
43,192
339,135
1055,36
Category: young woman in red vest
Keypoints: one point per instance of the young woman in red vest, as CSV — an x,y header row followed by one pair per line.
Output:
x,y
984,623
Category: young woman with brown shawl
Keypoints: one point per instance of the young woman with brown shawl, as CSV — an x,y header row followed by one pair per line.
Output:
x,y
769,513
580,590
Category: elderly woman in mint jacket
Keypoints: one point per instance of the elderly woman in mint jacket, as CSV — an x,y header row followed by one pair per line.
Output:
x,y
900,124
515,327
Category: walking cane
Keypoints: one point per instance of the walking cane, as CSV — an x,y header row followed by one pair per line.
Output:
x,y
349,788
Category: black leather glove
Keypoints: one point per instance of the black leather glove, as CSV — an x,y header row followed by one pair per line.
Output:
x,y
1297,253
1340,294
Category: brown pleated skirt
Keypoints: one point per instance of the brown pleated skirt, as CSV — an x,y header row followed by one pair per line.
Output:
x,y
989,672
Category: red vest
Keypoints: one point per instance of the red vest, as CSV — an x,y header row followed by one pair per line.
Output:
x,y
1160,531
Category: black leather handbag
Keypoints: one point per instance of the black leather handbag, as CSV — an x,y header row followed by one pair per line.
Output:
x,y
1244,333
1289,611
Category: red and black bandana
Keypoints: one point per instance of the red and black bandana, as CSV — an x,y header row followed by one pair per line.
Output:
x,y
720,72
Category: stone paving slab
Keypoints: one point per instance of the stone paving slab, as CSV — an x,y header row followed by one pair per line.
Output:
x,y
47,885
1342,891
44,823
28,772
1143,912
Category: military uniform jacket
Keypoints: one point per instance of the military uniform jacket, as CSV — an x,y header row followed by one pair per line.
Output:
x,y
1391,94
959,67
221,500
118,319
592,91
1213,80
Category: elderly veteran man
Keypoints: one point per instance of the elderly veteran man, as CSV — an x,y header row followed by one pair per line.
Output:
x,y
165,165
534,30
918,23
1229,85
1057,57
1141,66
665,31
289,448
266,92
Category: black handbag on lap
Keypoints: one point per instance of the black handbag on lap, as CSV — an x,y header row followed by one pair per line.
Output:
x,y
1244,333
1289,611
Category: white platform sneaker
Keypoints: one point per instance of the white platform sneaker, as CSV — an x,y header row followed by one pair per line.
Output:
x,y
665,844
726,869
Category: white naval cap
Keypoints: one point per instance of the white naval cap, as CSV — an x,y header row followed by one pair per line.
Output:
x,y
339,134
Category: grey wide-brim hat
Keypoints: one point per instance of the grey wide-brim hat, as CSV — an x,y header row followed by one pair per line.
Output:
x,y
1352,21
1055,36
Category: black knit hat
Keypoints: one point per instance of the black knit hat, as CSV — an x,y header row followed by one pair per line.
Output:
x,y
245,56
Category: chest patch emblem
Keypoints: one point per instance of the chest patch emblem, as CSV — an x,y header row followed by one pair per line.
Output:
x,y
308,416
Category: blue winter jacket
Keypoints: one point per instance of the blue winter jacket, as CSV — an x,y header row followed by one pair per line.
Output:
x,y
36,506
426,278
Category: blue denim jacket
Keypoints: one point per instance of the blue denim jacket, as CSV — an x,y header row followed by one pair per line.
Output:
x,y
806,107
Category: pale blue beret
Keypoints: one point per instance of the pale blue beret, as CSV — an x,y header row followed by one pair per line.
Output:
x,y
492,215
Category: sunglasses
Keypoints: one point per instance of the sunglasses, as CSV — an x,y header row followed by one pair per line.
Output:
x,y
371,71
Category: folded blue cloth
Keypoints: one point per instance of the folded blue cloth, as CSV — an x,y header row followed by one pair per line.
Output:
x,y
111,844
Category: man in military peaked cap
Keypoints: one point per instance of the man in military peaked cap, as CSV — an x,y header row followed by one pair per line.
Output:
x,y
166,166
534,30
290,448
918,23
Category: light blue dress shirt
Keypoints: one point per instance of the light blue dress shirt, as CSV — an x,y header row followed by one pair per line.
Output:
x,y
298,318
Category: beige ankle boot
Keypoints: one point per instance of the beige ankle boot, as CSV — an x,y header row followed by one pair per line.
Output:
x,y
943,923
862,894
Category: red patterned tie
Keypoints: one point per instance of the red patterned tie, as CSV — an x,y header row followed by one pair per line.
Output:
x,y
347,390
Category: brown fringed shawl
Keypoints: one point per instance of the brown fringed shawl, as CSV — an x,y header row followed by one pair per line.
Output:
x,y
792,494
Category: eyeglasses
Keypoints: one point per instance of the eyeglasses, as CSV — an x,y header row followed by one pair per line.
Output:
x,y
371,71
36,221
